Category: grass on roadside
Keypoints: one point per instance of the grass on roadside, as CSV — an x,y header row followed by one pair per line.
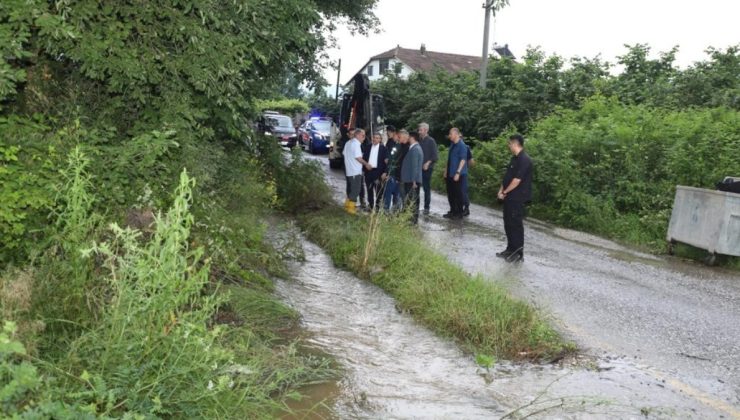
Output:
x,y
479,314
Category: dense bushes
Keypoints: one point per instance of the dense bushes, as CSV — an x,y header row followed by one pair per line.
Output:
x,y
285,106
145,87
613,169
119,320
29,159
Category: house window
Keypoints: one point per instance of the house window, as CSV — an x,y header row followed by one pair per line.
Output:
x,y
369,70
383,66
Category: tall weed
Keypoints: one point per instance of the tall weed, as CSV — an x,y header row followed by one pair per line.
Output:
x,y
153,345
66,295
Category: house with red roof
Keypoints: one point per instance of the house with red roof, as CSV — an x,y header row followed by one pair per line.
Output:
x,y
407,61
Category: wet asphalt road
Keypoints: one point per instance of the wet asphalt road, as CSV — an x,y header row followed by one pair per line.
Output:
x,y
677,322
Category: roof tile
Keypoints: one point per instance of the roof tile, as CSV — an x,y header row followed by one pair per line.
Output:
x,y
429,60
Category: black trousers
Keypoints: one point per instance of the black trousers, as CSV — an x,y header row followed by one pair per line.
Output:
x,y
374,191
455,195
362,190
412,198
514,225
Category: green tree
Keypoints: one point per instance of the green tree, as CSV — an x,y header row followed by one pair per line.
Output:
x,y
645,80
152,84
711,83
319,103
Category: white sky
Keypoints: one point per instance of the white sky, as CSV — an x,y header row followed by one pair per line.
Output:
x,y
566,27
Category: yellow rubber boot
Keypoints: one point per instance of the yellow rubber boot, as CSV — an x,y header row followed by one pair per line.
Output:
x,y
351,207
346,204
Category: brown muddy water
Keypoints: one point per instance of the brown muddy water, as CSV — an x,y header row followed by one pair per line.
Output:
x,y
393,368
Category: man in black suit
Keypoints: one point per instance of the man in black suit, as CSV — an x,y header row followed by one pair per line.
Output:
x,y
375,155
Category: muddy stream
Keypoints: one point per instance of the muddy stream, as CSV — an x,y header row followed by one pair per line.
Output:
x,y
395,368
392,366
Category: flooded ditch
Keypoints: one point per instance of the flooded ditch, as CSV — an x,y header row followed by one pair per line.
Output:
x,y
395,368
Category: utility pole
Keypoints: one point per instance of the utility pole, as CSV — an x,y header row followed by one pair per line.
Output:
x,y
488,6
339,71
491,7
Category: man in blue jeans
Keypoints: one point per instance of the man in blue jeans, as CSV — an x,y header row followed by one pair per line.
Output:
x,y
396,152
429,147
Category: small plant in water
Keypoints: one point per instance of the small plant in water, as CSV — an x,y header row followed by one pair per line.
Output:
x,y
484,360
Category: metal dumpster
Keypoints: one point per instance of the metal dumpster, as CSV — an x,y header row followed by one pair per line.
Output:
x,y
706,219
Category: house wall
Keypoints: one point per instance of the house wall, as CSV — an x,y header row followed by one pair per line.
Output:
x,y
375,64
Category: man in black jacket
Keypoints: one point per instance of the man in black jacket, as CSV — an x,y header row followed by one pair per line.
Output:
x,y
515,192
393,186
375,155
411,175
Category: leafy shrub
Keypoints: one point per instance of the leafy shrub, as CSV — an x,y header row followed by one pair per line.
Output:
x,y
25,394
299,182
19,377
29,160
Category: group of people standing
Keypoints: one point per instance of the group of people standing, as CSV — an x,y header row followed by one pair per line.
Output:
x,y
393,174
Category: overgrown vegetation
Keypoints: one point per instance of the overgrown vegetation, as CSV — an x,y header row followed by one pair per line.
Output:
x,y
608,149
144,321
477,313
134,273
114,288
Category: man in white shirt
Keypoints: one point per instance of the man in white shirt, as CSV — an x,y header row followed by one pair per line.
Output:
x,y
353,164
